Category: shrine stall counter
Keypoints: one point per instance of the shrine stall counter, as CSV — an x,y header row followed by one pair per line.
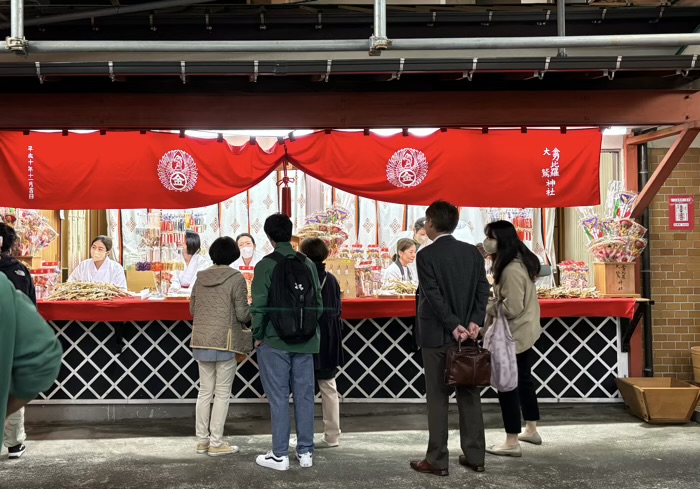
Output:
x,y
133,351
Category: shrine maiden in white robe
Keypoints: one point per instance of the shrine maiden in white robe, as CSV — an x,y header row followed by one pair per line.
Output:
x,y
253,261
110,272
185,279
396,271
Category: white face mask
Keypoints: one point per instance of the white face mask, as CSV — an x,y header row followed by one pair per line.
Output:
x,y
247,252
98,255
490,246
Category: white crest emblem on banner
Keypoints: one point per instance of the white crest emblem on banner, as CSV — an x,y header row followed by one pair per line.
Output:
x,y
407,168
177,171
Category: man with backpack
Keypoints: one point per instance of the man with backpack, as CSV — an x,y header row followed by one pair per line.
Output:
x,y
286,307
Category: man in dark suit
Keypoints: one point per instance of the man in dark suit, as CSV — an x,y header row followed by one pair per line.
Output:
x,y
453,294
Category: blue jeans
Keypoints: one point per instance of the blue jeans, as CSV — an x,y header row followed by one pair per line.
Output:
x,y
278,371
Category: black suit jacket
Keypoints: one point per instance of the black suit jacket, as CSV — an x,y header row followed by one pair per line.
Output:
x,y
453,290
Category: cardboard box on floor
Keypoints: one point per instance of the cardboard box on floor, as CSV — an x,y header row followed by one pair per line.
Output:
x,y
659,400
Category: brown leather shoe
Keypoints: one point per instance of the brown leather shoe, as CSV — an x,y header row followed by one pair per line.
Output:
x,y
425,468
475,468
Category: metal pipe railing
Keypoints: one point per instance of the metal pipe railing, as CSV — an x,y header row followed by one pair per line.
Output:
x,y
378,41
631,40
643,179
380,19
17,19
636,40
197,46
561,24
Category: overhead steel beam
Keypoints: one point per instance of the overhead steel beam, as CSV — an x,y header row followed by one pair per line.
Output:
x,y
109,11
326,64
663,171
661,134
446,44
628,40
285,46
349,110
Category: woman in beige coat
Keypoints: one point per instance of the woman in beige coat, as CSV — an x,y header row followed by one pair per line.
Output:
x,y
220,332
514,269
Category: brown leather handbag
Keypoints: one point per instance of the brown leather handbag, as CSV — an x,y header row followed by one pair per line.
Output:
x,y
468,366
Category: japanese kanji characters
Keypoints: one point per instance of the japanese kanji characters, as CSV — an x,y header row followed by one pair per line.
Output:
x,y
30,171
551,173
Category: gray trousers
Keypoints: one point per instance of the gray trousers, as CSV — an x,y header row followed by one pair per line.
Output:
x,y
14,429
471,421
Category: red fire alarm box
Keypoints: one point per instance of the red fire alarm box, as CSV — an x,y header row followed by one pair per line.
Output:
x,y
681,212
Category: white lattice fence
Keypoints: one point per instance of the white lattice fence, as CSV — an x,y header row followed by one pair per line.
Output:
x,y
578,359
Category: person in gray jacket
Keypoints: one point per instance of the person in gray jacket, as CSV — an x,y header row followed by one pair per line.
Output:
x,y
220,332
515,269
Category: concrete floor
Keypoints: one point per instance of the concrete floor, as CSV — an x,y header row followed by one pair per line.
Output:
x,y
597,447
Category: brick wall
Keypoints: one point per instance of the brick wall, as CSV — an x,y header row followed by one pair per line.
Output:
x,y
675,272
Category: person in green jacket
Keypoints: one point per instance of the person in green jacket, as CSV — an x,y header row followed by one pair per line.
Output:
x,y
284,365
30,354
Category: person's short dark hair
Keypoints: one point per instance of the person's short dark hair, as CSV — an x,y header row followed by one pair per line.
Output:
x,y
278,228
443,216
419,224
105,240
193,242
246,235
224,251
9,237
315,249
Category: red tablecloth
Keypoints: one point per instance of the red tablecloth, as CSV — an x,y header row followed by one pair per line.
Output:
x,y
175,309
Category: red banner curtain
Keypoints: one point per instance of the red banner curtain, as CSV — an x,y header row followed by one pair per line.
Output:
x,y
126,170
502,168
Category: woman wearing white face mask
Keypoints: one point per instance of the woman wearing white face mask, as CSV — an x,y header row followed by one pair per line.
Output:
x,y
100,269
249,255
195,262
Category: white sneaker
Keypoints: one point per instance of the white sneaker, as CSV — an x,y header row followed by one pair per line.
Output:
x,y
271,462
306,460
293,441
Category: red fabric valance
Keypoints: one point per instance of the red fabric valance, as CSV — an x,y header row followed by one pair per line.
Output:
x,y
126,170
179,309
538,169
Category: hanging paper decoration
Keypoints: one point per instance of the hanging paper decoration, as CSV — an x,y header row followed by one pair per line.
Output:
x,y
286,203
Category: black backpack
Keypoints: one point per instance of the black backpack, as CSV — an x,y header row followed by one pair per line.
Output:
x,y
292,305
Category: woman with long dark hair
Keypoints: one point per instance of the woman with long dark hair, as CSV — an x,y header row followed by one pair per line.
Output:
x,y
515,269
